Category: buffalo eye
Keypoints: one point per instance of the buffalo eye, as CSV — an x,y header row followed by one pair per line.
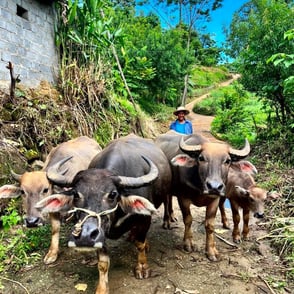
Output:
x,y
201,158
45,191
228,161
112,195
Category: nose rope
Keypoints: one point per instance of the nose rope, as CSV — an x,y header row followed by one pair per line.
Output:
x,y
78,227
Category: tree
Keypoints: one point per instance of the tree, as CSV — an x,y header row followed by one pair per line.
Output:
x,y
256,33
189,14
287,61
195,11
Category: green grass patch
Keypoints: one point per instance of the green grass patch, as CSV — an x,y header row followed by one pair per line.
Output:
x,y
238,114
203,77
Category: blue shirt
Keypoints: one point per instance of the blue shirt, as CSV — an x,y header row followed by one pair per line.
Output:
x,y
185,128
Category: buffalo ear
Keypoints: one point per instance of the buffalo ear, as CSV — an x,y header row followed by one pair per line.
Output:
x,y
55,203
134,204
273,195
183,160
245,166
9,191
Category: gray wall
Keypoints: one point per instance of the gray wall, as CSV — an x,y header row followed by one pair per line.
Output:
x,y
27,40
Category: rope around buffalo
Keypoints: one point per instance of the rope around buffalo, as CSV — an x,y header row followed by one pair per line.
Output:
x,y
78,227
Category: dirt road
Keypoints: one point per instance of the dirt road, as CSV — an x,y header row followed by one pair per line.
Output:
x,y
201,123
250,267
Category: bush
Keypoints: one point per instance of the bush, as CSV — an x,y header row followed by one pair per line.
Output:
x,y
238,115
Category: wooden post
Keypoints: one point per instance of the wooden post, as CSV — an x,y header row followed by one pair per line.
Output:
x,y
13,80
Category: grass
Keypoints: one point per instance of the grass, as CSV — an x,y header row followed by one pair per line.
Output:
x,y
207,77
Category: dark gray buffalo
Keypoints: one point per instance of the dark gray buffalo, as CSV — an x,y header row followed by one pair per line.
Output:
x,y
34,186
124,184
200,170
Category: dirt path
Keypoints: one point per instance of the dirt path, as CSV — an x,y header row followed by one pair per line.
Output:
x,y
201,123
250,267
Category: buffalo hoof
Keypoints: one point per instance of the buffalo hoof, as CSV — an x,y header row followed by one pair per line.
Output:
x,y
237,241
102,290
142,272
189,248
166,225
50,258
213,258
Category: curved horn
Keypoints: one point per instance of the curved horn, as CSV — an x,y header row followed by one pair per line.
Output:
x,y
140,181
16,176
56,176
240,154
189,149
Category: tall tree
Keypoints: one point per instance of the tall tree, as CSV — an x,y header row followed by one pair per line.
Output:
x,y
187,15
256,33
191,13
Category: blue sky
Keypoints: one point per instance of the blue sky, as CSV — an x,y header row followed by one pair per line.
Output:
x,y
219,18
223,17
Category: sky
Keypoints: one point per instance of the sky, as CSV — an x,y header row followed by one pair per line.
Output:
x,y
223,17
219,18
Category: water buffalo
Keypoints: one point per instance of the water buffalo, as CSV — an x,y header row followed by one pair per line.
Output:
x,y
200,170
34,186
242,192
122,187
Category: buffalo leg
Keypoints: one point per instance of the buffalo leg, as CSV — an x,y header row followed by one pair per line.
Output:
x,y
223,213
187,218
211,211
103,267
142,270
52,254
245,231
168,213
171,210
236,220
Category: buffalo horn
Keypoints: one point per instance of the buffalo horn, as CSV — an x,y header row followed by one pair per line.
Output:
x,y
56,176
16,176
140,181
189,149
239,154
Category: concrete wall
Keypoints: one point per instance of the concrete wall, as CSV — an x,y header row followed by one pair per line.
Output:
x,y
27,40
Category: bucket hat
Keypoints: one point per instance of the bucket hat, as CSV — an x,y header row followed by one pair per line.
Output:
x,y
181,109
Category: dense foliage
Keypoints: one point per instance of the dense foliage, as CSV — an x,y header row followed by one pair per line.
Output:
x,y
256,34
134,55
238,114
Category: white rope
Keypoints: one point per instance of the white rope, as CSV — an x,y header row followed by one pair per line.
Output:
x,y
78,227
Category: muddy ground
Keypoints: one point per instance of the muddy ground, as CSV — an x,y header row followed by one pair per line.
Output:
x,y
251,267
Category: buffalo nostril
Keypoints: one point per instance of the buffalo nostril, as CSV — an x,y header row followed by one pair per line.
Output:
x,y
258,215
32,222
94,234
220,187
214,185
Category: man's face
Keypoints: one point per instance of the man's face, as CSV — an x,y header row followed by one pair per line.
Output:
x,y
181,115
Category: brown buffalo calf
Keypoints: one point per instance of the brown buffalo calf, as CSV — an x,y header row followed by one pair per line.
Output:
x,y
242,192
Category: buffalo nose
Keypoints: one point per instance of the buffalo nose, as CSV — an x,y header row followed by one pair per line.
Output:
x,y
215,187
89,236
32,222
258,215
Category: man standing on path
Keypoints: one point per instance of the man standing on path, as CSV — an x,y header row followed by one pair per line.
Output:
x,y
181,124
